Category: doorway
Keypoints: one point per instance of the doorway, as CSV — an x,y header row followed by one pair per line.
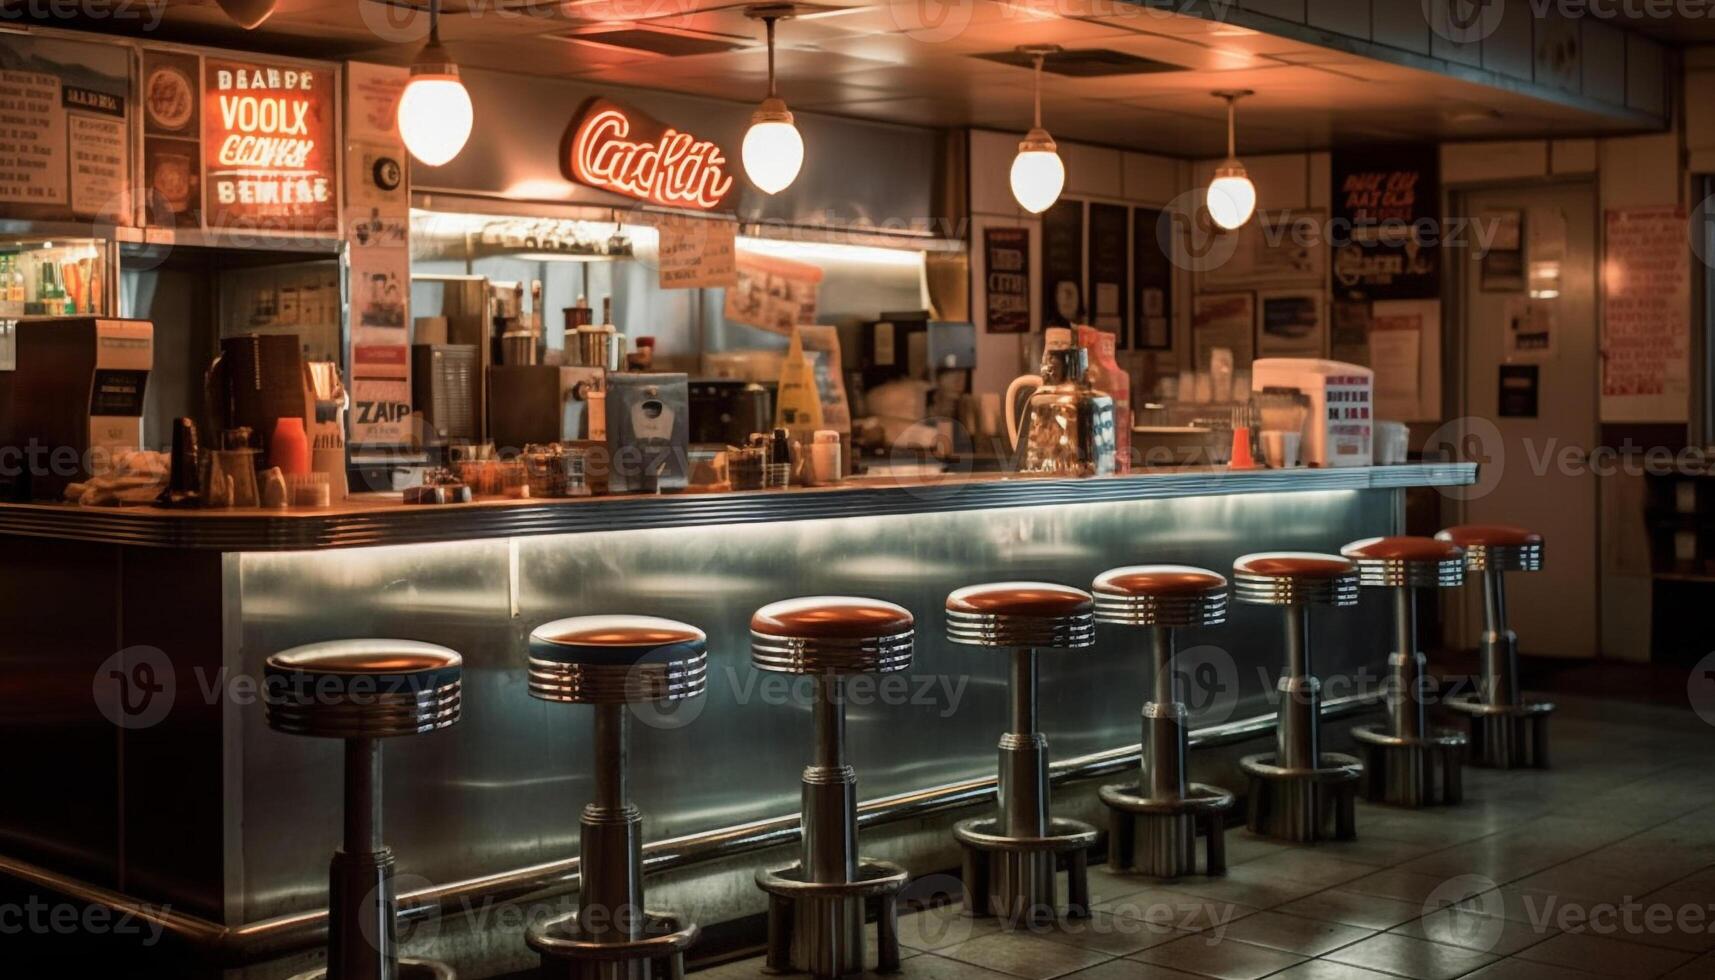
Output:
x,y
1529,381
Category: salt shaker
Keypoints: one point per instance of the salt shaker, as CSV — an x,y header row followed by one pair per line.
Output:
x,y
825,458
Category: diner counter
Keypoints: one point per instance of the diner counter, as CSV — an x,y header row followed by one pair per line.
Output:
x,y
374,519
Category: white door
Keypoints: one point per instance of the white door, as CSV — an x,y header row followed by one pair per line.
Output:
x,y
1537,477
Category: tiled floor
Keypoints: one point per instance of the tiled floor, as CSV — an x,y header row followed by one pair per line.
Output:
x,y
1603,867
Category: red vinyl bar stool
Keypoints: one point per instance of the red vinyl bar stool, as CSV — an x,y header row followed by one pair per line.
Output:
x,y
1011,860
1164,806
816,907
1508,730
1406,763
1300,793
363,691
611,662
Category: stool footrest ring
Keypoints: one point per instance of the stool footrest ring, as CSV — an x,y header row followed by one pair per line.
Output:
x,y
1470,704
873,878
1200,799
563,938
983,834
1333,767
408,970
1438,740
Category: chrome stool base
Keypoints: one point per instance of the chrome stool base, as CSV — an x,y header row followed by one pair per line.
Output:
x,y
1506,736
1412,772
1158,838
568,951
1303,805
408,970
792,901
1017,881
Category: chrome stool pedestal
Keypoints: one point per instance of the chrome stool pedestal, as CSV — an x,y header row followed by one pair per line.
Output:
x,y
817,906
1011,860
1407,763
1154,823
1508,730
1299,792
363,691
612,662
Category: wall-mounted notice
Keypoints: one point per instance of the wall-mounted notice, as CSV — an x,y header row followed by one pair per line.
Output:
x,y
697,253
772,293
1646,317
270,159
1006,279
1404,346
1291,323
64,129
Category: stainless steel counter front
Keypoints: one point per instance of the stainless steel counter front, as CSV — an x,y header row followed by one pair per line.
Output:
x,y
377,519
491,805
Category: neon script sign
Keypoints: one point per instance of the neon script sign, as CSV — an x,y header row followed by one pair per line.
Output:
x,y
616,148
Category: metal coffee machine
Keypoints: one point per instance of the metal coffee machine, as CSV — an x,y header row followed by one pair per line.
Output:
x,y
648,432
1066,427
79,387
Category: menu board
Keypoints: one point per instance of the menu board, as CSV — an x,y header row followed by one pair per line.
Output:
x,y
696,253
772,293
1110,258
1063,264
1006,279
64,124
269,152
1152,281
1646,317
1387,210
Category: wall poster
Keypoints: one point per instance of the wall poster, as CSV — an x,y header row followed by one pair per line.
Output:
x,y
1282,246
1152,282
1225,320
1063,301
1110,257
65,121
1646,316
377,224
270,160
172,138
1386,223
1006,279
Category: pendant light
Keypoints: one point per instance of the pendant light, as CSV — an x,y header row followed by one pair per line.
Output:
x,y
435,113
773,150
1038,176
248,14
1232,196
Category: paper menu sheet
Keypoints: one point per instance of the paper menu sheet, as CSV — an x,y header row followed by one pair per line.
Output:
x,y
1405,353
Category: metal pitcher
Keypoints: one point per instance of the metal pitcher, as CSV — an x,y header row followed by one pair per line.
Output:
x,y
1067,427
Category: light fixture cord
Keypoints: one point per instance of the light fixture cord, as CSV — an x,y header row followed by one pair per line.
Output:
x,y
769,23
1232,127
434,22
1039,60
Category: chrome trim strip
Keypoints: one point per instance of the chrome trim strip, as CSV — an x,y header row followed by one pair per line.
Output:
x,y
256,942
258,530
